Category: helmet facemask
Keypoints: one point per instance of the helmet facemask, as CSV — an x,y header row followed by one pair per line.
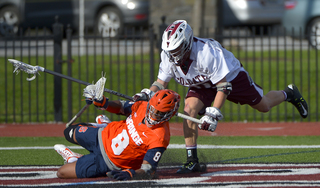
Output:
x,y
154,116
162,107
180,54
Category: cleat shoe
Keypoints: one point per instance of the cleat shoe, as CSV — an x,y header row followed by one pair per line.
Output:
x,y
294,97
191,166
67,155
102,119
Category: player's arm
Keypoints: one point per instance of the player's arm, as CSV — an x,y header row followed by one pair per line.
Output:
x,y
120,107
146,94
158,85
213,114
147,170
223,90
150,163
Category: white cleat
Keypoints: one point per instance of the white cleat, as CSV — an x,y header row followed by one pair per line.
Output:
x,y
67,155
102,119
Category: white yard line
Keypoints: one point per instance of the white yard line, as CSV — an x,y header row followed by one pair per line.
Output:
x,y
182,146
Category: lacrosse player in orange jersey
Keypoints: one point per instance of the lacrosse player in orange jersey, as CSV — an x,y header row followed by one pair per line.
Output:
x,y
125,149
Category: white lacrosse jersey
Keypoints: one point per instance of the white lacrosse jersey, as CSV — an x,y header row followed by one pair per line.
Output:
x,y
210,63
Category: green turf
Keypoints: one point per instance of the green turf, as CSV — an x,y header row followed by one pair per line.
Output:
x,y
177,156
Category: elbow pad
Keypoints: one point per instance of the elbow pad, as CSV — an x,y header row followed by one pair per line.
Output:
x,y
225,87
160,86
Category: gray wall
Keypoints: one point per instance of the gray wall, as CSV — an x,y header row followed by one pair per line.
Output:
x,y
189,10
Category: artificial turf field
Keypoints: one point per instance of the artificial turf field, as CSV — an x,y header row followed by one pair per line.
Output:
x,y
281,156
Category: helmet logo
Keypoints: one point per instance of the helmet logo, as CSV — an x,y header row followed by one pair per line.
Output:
x,y
173,27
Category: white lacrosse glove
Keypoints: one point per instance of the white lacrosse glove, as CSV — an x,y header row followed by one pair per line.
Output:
x,y
144,95
214,113
208,124
210,119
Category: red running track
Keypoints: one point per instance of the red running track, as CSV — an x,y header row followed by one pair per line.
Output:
x,y
176,129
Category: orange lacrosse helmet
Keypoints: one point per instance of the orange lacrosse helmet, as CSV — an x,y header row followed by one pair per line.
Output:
x,y
162,106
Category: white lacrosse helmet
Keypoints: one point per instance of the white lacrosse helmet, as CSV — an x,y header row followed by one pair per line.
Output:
x,y
177,41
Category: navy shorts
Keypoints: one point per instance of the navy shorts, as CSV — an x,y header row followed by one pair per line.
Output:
x,y
244,91
91,165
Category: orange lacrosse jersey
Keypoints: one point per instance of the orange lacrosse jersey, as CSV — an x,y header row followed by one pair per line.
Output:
x,y
126,142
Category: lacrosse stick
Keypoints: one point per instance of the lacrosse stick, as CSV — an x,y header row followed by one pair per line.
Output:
x,y
92,92
20,66
77,115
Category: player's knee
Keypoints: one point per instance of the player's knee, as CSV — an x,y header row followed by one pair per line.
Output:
x,y
69,133
262,108
62,173
265,110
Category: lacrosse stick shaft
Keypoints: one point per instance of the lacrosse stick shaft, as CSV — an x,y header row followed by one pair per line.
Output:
x,y
86,83
189,118
77,115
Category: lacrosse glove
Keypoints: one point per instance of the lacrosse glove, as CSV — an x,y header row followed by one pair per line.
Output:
x,y
88,101
127,174
144,95
101,104
210,119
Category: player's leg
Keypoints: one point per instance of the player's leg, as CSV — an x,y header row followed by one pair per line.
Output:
x,y
271,99
192,107
86,166
67,171
245,91
290,94
70,158
70,132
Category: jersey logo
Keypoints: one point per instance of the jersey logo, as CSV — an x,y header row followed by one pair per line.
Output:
x,y
133,132
82,129
144,134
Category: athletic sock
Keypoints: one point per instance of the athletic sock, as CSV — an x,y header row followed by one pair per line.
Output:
x,y
192,153
285,95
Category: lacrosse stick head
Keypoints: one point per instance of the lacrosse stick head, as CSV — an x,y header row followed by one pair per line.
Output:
x,y
162,106
20,66
95,91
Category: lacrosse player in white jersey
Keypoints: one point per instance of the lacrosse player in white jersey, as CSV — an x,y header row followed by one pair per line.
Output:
x,y
213,75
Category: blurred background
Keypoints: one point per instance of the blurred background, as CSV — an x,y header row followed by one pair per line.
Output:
x,y
276,40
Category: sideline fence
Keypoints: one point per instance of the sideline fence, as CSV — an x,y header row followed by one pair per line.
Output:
x,y
131,62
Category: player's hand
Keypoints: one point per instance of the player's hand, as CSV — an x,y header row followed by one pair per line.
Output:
x,y
101,104
127,174
144,95
214,113
210,119
208,123
88,101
